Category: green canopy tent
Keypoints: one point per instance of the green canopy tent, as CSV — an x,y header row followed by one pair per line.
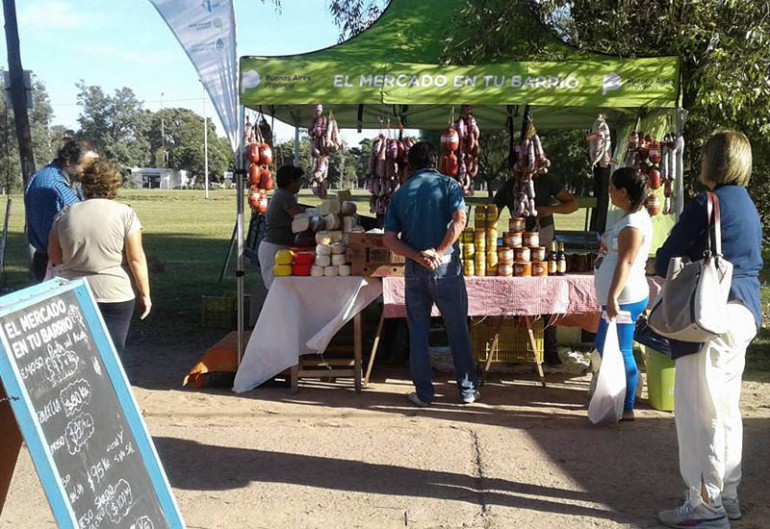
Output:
x,y
395,71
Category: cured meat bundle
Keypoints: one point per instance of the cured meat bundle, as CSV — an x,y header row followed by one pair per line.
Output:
x,y
388,168
529,161
324,141
461,147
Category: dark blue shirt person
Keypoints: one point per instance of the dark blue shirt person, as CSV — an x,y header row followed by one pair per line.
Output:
x,y
424,220
49,191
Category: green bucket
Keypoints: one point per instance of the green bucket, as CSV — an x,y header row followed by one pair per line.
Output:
x,y
660,380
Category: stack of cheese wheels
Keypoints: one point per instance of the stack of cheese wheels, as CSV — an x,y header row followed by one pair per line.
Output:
x,y
330,259
338,215
283,259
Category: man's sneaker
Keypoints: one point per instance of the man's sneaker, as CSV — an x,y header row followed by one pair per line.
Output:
x,y
701,516
732,508
473,398
414,399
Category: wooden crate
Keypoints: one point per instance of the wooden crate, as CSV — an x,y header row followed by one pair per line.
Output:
x,y
513,345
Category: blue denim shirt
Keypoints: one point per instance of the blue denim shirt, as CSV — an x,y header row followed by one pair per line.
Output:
x,y
48,192
421,210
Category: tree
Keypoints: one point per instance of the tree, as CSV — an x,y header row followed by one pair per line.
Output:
x,y
354,16
115,125
183,143
722,46
45,143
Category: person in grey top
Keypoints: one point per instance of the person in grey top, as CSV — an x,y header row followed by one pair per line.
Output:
x,y
282,209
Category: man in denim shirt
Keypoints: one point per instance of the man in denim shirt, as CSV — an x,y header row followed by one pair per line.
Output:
x,y
424,220
49,191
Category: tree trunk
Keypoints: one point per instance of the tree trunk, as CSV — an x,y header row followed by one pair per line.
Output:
x,y
18,92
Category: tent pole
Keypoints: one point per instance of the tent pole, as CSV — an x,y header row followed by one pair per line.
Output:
x,y
240,174
296,146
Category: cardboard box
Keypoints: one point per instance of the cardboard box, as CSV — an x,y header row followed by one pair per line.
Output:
x,y
377,270
356,254
384,256
365,240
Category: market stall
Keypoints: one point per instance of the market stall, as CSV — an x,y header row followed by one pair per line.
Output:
x,y
394,72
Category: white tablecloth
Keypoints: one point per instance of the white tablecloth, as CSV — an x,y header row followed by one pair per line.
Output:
x,y
300,316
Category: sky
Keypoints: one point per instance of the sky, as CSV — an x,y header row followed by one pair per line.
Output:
x,y
126,43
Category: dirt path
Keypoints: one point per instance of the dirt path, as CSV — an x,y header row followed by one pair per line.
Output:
x,y
329,458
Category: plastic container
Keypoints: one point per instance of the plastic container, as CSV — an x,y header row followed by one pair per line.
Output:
x,y
660,380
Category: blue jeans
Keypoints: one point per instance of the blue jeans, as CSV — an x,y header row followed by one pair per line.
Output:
x,y
446,288
626,341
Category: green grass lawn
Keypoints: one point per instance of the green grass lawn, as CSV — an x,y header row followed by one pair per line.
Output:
x,y
187,238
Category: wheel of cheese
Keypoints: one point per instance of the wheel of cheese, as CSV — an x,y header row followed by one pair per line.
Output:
x,y
336,236
300,270
323,249
323,237
347,224
284,256
339,259
344,270
316,271
331,271
300,223
332,221
282,270
329,206
323,260
304,258
338,247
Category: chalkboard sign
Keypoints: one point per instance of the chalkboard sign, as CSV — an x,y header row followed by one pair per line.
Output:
x,y
77,413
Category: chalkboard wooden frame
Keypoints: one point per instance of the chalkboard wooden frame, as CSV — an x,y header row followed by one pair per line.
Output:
x,y
27,418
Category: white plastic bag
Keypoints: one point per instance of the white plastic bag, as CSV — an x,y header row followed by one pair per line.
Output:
x,y
607,402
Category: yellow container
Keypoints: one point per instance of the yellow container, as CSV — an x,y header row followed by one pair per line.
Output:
x,y
481,213
468,250
491,237
492,212
660,380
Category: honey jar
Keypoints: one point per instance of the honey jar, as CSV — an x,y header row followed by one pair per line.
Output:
x,y
521,254
538,253
505,256
539,269
531,239
516,224
522,269
505,270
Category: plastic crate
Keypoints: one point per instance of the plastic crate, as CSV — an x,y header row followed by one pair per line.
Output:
x,y
513,344
221,312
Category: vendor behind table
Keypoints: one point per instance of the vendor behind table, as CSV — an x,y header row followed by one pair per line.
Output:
x,y
548,189
282,209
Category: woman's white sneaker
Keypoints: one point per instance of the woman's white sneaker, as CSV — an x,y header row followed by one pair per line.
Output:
x,y
732,508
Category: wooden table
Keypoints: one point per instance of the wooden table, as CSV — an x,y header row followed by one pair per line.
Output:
x,y
571,295
300,316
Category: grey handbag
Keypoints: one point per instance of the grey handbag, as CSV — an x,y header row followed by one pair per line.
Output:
x,y
692,306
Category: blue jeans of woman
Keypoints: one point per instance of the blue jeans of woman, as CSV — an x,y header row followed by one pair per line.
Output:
x,y
626,341
446,288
